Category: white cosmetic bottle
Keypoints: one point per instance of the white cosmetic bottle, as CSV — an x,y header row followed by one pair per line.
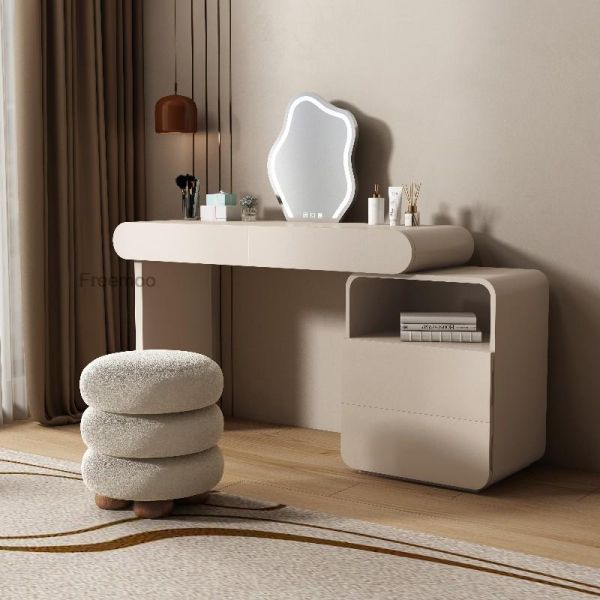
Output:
x,y
395,200
376,208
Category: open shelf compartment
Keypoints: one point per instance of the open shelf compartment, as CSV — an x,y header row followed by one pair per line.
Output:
x,y
374,305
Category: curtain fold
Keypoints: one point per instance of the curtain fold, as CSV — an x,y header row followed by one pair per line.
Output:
x,y
89,118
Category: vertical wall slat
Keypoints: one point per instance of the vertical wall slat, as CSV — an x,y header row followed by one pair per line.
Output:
x,y
200,56
213,95
225,178
225,96
184,62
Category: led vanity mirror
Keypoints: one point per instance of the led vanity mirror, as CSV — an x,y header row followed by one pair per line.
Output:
x,y
310,164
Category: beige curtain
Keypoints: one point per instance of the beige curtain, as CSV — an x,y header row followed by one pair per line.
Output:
x,y
82,173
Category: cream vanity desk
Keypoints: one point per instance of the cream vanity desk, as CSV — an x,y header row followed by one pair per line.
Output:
x,y
461,415
454,414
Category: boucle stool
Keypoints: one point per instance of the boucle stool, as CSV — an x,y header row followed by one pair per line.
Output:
x,y
152,436
151,429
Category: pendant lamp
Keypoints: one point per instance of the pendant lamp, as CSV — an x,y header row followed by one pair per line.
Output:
x,y
175,113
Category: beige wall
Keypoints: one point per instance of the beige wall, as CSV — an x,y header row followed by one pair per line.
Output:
x,y
495,106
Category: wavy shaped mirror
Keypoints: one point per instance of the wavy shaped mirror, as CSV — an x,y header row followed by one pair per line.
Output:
x,y
310,164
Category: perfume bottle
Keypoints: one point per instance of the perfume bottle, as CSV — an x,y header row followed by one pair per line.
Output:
x,y
376,208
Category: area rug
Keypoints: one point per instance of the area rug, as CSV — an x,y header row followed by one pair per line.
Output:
x,y
55,543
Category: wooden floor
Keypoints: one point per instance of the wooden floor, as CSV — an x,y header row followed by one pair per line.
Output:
x,y
545,511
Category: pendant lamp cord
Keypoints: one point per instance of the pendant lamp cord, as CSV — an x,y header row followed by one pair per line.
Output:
x,y
219,88
193,134
175,40
206,93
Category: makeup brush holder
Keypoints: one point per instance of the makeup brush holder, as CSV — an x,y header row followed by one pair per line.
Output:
x,y
191,206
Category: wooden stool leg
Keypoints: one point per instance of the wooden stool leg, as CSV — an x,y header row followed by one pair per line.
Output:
x,y
155,509
107,503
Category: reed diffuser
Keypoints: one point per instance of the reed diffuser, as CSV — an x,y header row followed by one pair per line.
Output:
x,y
412,217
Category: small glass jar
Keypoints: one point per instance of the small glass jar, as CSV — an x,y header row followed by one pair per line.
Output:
x,y
412,218
249,213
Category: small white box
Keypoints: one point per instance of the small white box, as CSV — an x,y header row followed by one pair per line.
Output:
x,y
220,213
208,213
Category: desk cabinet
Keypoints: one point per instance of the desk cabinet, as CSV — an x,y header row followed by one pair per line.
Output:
x,y
455,414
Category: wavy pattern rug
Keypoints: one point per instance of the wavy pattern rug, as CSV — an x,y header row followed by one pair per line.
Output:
x,y
55,543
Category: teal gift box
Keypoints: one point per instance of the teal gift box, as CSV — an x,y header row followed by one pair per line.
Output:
x,y
221,199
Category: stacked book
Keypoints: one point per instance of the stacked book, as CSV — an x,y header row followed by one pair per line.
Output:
x,y
439,327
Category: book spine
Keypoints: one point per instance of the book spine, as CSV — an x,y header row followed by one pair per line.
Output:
x,y
437,327
416,318
441,336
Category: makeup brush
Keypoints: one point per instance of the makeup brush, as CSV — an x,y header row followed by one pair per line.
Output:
x,y
188,183
181,181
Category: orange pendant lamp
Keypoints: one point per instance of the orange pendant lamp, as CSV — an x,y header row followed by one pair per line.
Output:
x,y
175,113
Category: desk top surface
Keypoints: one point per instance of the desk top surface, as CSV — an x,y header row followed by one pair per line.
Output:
x,y
345,247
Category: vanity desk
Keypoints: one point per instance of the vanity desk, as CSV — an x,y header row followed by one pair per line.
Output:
x,y
455,414
460,415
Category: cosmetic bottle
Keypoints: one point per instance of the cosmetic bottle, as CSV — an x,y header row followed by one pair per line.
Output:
x,y
376,208
395,200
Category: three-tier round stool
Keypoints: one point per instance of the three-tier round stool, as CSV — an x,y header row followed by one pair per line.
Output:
x,y
151,429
